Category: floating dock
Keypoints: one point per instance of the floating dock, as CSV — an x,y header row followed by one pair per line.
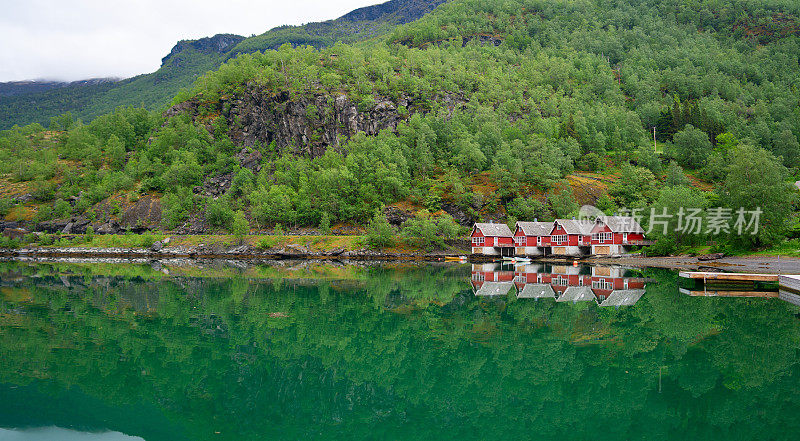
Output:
x,y
719,293
790,283
733,277
728,284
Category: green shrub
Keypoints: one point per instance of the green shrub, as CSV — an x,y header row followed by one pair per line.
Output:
x,y
61,209
7,242
6,204
219,213
266,242
43,191
147,240
176,208
664,246
380,233
325,224
240,226
46,239
427,231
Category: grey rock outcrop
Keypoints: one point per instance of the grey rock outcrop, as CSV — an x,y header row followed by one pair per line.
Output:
x,y
110,227
144,215
309,124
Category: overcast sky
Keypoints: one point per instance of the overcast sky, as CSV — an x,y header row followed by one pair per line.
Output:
x,y
79,39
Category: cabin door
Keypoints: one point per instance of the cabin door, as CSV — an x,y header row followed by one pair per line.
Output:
x,y
624,237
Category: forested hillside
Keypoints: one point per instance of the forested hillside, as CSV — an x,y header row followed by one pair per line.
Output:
x,y
479,110
191,58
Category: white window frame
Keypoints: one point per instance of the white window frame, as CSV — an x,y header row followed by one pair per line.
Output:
x,y
603,237
559,238
478,241
602,284
560,281
520,241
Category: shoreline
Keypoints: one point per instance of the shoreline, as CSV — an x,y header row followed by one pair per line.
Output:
x,y
750,264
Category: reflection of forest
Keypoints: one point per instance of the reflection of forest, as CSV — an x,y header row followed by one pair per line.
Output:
x,y
405,352
606,285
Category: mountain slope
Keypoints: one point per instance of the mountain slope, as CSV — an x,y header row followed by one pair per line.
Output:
x,y
191,58
481,109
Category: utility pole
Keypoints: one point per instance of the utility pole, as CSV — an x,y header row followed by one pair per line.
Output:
x,y
655,145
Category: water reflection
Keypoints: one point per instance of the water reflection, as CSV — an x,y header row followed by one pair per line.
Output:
x,y
605,285
59,434
311,350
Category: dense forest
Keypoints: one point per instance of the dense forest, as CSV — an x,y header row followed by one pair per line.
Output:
x,y
479,110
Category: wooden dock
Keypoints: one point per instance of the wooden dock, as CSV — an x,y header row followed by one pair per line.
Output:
x,y
733,277
790,284
716,293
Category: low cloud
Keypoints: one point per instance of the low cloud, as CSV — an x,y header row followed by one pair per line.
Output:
x,y
72,40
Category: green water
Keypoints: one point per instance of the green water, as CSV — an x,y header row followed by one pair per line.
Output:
x,y
307,351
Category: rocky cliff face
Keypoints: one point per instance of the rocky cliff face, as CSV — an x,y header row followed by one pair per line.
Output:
x,y
309,125
403,11
218,44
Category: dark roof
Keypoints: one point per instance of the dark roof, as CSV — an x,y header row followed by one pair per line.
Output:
x,y
573,226
623,297
577,294
536,291
535,228
621,224
494,229
494,289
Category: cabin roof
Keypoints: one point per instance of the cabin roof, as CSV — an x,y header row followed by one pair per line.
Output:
x,y
574,226
494,289
577,294
623,297
535,228
621,224
536,291
494,229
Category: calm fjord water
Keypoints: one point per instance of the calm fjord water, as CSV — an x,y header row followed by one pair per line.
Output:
x,y
323,351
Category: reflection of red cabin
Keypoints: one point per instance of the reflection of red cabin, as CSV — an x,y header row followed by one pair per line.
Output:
x,y
497,282
604,286
603,281
489,273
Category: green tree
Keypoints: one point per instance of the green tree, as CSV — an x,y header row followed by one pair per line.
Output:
x,y
562,201
240,226
380,233
219,213
757,180
115,150
276,204
692,147
675,176
635,188
325,223
526,209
